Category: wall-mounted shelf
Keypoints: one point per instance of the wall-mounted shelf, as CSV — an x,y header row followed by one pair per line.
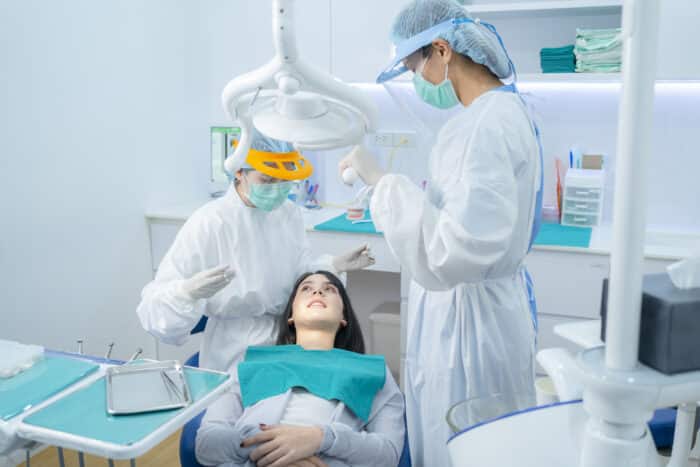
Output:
x,y
554,6
570,78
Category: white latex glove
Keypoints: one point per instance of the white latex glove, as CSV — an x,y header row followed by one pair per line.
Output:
x,y
206,283
282,445
364,163
359,258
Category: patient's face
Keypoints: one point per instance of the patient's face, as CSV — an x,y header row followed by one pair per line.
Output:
x,y
317,304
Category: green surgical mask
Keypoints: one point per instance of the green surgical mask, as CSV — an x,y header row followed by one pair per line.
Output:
x,y
269,196
442,96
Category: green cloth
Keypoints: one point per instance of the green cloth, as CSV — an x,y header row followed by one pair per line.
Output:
x,y
338,374
598,50
44,379
558,59
601,68
557,68
342,224
565,51
84,412
551,234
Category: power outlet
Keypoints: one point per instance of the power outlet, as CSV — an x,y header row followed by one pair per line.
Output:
x,y
384,139
404,140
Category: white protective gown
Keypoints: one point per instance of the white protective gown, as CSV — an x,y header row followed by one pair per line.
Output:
x,y
470,331
268,251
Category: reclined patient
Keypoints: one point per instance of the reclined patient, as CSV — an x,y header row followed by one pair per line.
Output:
x,y
314,399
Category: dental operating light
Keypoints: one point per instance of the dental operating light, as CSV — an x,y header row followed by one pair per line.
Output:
x,y
291,100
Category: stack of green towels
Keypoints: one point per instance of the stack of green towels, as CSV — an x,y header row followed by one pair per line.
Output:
x,y
558,59
598,50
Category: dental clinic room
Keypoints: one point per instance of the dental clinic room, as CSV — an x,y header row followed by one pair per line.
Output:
x,y
335,233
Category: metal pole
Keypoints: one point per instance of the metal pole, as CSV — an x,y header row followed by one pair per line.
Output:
x,y
640,30
61,460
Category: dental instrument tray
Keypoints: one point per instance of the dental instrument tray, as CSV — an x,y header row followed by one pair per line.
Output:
x,y
146,387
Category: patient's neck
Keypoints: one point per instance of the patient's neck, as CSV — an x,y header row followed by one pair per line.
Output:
x,y
312,339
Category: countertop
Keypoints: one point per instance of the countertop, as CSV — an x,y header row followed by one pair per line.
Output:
x,y
665,245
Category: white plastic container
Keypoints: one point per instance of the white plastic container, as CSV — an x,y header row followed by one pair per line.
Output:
x,y
17,357
583,197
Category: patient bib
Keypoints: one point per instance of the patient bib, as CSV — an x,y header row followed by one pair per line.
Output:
x,y
338,374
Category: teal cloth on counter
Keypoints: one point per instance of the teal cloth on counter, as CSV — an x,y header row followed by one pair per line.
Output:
x,y
349,377
84,412
48,376
342,224
563,235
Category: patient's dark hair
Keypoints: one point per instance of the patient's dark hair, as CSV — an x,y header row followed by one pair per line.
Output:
x,y
347,338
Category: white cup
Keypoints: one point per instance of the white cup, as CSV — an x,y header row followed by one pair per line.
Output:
x,y
545,392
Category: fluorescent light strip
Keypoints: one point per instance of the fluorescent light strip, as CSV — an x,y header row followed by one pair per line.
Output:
x,y
663,86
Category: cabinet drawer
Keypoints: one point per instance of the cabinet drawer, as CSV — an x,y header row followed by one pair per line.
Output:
x,y
583,193
579,220
583,207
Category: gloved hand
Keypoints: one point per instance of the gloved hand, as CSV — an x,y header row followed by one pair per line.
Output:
x,y
364,163
208,282
359,258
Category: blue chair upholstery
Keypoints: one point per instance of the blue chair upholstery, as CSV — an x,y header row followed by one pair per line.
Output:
x,y
189,431
405,460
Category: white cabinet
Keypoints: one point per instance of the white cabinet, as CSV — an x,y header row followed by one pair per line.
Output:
x,y
568,284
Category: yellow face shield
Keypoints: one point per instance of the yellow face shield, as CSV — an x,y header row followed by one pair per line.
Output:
x,y
284,166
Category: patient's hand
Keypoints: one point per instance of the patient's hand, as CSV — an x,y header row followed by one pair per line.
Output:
x,y
282,445
309,462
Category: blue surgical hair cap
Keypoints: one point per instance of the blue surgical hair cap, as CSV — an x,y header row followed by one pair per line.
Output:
x,y
474,40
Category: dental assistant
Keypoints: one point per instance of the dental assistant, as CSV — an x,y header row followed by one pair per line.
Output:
x,y
235,261
471,312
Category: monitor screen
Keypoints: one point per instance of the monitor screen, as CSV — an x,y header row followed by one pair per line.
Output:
x,y
222,138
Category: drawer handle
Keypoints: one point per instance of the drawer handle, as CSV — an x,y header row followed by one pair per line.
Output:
x,y
580,219
582,206
583,192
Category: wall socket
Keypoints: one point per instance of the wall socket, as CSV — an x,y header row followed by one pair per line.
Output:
x,y
399,139
383,139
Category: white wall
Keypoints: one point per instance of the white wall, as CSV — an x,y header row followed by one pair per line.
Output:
x,y
92,131
584,115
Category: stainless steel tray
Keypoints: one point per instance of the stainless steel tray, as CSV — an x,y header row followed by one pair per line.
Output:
x,y
146,387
